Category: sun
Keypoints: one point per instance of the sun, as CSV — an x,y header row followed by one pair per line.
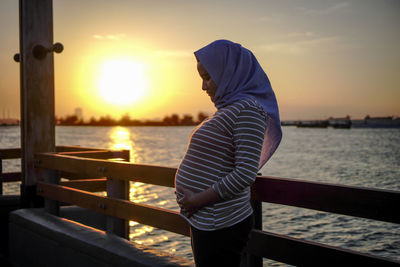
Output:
x,y
122,82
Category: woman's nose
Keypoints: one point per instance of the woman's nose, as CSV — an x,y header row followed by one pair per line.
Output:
x,y
204,86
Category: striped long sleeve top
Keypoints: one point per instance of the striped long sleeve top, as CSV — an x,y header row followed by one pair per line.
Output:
x,y
223,153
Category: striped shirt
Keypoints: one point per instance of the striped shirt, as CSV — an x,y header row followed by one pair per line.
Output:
x,y
223,153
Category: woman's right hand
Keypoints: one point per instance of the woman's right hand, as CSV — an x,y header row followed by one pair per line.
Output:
x,y
187,201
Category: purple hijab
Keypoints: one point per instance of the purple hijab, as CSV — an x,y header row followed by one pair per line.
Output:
x,y
238,75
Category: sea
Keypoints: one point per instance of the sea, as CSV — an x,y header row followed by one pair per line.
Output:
x,y
363,157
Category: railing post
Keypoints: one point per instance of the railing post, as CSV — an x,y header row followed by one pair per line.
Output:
x,y
51,177
37,93
118,189
1,174
256,261
248,259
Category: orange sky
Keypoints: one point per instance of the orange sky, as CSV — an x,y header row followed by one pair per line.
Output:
x,y
324,58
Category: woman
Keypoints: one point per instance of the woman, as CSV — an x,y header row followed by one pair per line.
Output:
x,y
225,153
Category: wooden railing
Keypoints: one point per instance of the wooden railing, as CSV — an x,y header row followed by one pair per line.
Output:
x,y
5,154
15,153
94,183
368,203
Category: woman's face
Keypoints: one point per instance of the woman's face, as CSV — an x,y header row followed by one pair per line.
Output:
x,y
208,84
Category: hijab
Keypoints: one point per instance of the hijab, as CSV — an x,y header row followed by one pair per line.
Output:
x,y
238,75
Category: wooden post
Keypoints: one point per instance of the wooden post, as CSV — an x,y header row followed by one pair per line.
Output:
x,y
37,93
51,177
118,189
255,261
1,174
249,260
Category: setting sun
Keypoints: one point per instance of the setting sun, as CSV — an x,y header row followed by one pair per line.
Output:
x,y
122,82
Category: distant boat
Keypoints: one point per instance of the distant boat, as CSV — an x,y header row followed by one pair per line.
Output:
x,y
347,123
316,123
377,122
343,123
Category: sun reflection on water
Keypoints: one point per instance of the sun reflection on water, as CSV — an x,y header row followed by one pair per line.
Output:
x,y
123,138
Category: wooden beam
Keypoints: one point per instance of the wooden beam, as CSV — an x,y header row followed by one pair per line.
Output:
x,y
299,252
10,153
1,176
78,176
124,209
102,154
76,148
156,175
12,177
90,185
15,153
376,204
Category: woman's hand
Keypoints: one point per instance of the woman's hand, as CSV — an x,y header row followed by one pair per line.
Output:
x,y
187,202
191,202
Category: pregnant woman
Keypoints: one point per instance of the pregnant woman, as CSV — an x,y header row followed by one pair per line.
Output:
x,y
225,153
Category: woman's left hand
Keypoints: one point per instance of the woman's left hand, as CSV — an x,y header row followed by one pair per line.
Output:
x,y
187,202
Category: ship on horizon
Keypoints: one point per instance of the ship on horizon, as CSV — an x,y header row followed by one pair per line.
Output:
x,y
347,123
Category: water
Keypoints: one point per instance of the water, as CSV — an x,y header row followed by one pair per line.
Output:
x,y
361,157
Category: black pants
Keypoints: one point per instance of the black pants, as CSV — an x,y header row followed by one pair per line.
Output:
x,y
222,247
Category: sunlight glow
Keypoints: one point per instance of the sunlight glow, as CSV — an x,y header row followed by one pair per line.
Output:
x,y
120,138
122,82
123,138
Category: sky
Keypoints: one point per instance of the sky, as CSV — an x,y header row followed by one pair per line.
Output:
x,y
323,58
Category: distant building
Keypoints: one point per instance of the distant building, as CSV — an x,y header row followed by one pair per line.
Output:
x,y
79,114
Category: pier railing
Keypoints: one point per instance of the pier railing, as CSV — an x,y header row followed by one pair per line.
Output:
x,y
15,153
6,154
375,204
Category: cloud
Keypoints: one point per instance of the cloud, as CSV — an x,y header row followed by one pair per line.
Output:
x,y
300,34
326,10
174,53
271,18
304,45
112,37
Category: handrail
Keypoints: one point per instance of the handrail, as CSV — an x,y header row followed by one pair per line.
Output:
x,y
150,174
15,153
90,185
123,209
376,204
11,177
10,153
98,154
298,252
